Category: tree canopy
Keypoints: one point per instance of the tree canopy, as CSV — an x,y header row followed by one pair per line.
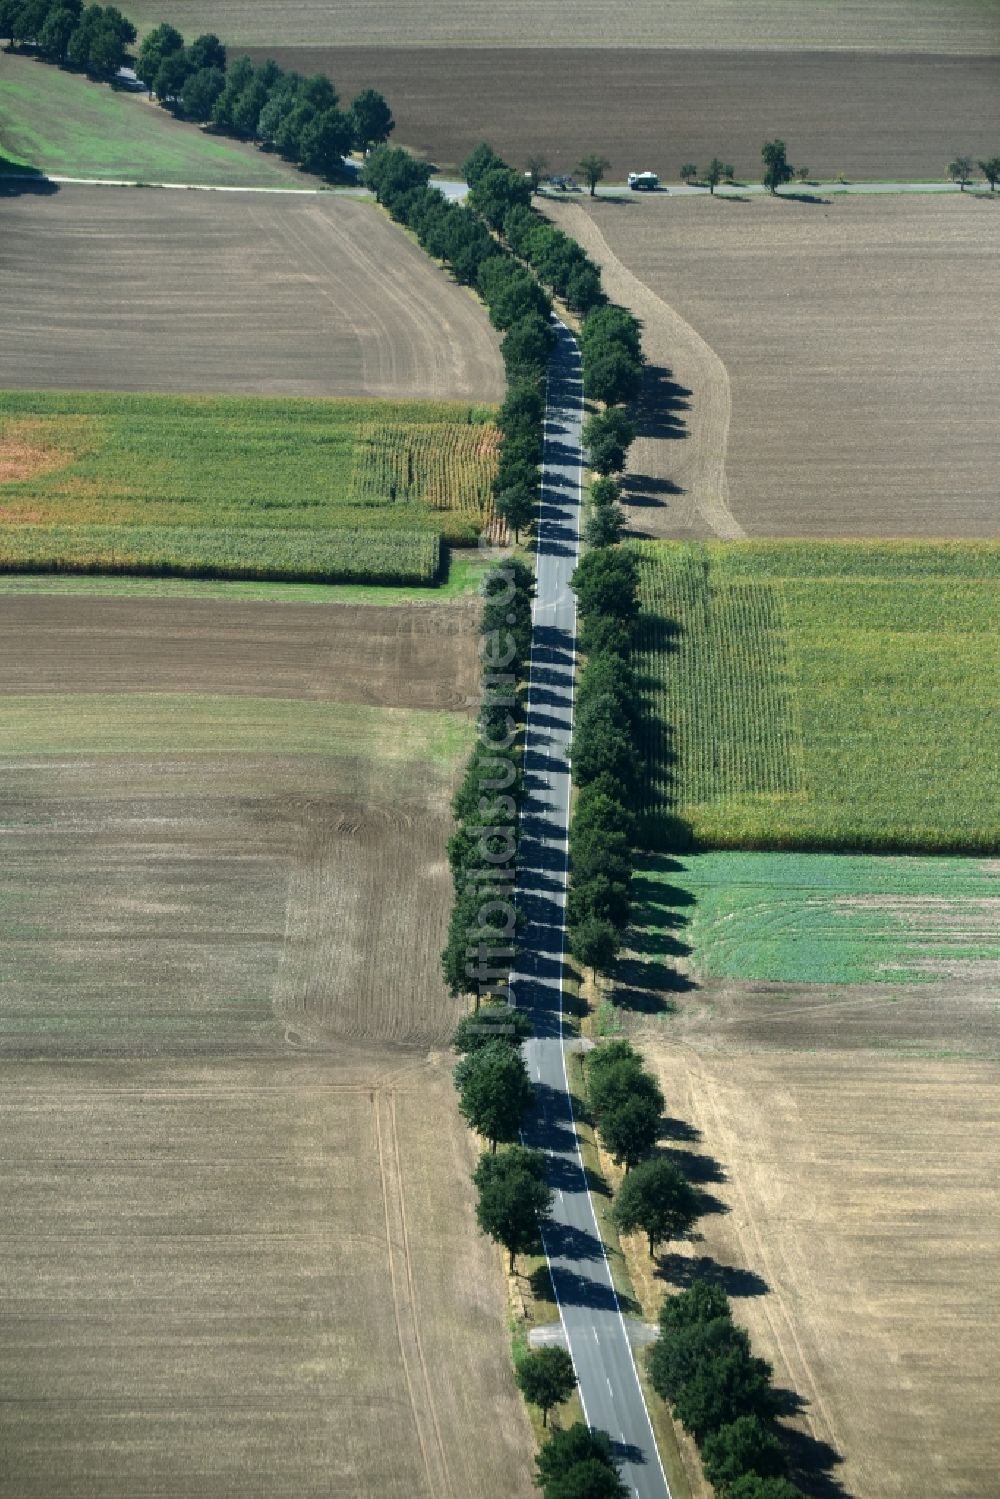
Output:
x,y
494,1091
546,1378
658,1199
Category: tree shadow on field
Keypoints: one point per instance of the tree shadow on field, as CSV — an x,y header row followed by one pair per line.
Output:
x,y
17,186
682,1271
659,411
803,198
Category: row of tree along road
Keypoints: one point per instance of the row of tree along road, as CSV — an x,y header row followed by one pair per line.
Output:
x,y
298,117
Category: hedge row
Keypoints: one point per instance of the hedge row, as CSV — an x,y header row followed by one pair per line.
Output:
x,y
703,1366
606,767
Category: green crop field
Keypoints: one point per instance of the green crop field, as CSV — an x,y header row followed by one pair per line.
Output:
x,y
837,696
824,918
63,123
239,487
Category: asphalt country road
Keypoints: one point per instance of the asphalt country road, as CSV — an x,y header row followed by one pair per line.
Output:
x,y
592,1320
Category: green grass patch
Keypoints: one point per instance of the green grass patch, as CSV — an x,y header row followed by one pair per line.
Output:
x,y
837,696
66,124
821,918
185,723
240,487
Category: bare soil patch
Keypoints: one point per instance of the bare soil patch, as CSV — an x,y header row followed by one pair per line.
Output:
x,y
857,1226
112,289
399,656
861,379
910,25
893,116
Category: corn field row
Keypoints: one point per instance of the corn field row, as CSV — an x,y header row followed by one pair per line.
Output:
x,y
445,466
711,655
299,555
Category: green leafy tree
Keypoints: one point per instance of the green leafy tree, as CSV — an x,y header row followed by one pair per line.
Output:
x,y
629,1130
699,1303
482,160
583,288
607,436
324,143
729,172
609,325
990,169
605,526
612,375
491,1022
157,45
714,174
960,171
513,1201
546,1378
238,78
206,51
200,92
607,583
753,1486
777,169
689,172
587,1480
510,292
495,192
494,1091
525,348
617,1083
572,1445
595,941
54,37
592,169
742,1446
371,119
802,173
659,1200
517,504
171,76
291,127
709,1375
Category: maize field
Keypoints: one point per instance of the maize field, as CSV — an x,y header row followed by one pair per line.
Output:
x,y
835,696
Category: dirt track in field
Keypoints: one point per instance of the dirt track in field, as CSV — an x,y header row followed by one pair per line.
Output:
x,y
859,353
858,1228
119,289
894,117
394,656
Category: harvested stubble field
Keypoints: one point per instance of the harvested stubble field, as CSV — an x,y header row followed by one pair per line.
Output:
x,y
857,1229
231,486
243,1255
888,117
818,369
905,25
130,290
836,696
63,123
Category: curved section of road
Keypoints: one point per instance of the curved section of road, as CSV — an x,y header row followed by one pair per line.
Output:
x,y
595,1329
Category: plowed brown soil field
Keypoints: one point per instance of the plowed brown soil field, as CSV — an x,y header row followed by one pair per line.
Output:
x,y
856,1227
818,368
117,289
906,25
892,116
243,1256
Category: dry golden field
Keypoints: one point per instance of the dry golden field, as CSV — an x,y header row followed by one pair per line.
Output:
x,y
858,1234
117,289
240,1255
819,369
